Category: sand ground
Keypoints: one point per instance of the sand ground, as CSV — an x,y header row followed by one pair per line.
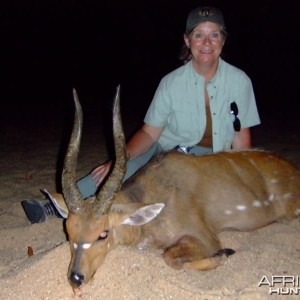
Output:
x,y
29,163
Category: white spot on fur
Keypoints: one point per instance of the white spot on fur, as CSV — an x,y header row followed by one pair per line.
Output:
x,y
287,196
228,212
271,197
75,246
257,203
274,180
86,246
241,207
297,212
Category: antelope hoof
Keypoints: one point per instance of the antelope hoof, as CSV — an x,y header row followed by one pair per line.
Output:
x,y
226,251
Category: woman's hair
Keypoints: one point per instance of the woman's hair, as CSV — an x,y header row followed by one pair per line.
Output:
x,y
185,54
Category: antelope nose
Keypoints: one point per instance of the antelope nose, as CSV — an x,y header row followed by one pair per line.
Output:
x,y
76,278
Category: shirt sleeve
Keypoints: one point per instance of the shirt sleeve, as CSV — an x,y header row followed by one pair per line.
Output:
x,y
160,107
248,112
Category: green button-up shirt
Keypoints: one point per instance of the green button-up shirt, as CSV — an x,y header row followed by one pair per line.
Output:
x,y
179,106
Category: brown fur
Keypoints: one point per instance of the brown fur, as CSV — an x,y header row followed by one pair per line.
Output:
x,y
203,196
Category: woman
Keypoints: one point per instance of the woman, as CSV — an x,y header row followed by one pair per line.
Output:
x,y
195,104
205,106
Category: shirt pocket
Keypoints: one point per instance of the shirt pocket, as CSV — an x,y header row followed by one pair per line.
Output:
x,y
183,121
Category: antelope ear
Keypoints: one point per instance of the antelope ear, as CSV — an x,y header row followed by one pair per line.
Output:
x,y
143,215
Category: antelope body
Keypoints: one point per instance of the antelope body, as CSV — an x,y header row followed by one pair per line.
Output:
x,y
177,203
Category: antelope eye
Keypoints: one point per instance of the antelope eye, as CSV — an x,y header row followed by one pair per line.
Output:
x,y
103,235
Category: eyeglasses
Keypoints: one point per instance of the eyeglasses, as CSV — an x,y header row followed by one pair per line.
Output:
x,y
235,111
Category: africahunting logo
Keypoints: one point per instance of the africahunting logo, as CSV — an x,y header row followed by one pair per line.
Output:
x,y
281,284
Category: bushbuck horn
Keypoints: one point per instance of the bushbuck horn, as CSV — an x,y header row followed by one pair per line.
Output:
x,y
113,184
71,192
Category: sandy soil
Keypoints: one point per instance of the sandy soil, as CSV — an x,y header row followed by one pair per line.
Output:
x,y
29,163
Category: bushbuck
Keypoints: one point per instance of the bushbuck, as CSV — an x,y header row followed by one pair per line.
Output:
x,y
178,203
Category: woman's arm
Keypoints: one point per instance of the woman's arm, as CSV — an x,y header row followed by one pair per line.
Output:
x,y
140,143
242,139
142,140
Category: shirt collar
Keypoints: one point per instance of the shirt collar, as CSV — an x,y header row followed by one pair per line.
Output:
x,y
197,77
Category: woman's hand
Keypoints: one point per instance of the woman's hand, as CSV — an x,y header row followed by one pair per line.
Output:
x,y
100,172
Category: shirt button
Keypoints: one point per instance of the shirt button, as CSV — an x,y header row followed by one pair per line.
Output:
x,y
214,113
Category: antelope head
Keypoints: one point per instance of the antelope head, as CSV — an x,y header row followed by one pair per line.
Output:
x,y
88,222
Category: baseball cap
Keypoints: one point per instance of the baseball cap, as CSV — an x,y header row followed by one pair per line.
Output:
x,y
204,14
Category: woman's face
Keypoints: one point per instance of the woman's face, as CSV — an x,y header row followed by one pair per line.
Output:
x,y
206,42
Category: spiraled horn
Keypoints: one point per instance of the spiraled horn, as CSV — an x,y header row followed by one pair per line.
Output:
x,y
70,190
105,197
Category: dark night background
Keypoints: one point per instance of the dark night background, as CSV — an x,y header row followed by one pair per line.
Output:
x,y
48,47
